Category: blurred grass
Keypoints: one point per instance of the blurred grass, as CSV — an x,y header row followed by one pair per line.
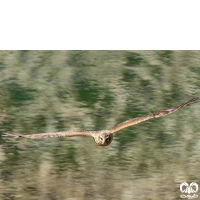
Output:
x,y
46,91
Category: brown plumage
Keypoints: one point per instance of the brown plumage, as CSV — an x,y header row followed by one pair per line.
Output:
x,y
104,137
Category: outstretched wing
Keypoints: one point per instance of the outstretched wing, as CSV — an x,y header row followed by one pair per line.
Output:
x,y
138,120
120,126
69,133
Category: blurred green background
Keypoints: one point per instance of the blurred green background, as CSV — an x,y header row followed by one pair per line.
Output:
x,y
50,91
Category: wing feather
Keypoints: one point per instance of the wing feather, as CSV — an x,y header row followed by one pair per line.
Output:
x,y
70,133
130,122
134,121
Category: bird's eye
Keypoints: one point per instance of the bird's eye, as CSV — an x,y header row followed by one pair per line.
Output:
x,y
101,138
107,139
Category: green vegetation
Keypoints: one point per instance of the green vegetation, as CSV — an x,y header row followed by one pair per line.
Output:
x,y
49,91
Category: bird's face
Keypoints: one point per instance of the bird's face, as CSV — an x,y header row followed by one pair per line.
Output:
x,y
104,139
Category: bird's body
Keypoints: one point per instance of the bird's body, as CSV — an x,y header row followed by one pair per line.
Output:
x,y
104,137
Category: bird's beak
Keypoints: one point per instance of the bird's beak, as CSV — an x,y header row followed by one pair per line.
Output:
x,y
103,142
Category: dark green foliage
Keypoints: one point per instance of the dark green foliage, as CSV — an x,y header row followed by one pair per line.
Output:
x,y
133,59
17,94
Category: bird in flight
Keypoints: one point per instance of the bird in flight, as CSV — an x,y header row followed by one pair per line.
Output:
x,y
104,137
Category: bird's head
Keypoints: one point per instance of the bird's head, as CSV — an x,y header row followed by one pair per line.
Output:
x,y
103,138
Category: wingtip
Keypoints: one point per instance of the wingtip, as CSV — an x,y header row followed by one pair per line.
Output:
x,y
8,135
190,102
193,100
